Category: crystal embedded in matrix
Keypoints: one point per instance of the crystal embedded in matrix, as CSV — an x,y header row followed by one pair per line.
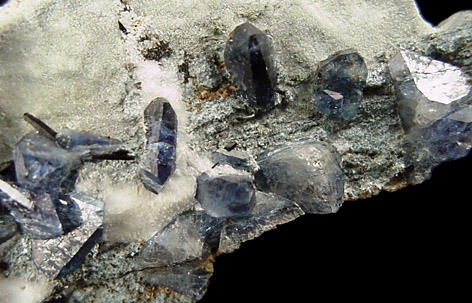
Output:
x,y
158,161
340,80
306,172
249,57
434,100
427,89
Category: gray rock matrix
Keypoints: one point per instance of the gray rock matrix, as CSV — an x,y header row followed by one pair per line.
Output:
x,y
94,66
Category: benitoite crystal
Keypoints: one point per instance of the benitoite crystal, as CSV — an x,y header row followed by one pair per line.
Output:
x,y
434,105
340,80
225,195
34,212
61,255
427,89
250,59
306,172
158,161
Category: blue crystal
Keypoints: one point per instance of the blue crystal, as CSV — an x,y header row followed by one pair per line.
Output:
x,y
307,172
41,165
249,57
37,217
225,196
340,80
449,138
87,143
158,161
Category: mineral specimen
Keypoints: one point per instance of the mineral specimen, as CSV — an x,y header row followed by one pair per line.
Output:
x,y
340,80
427,89
57,257
158,161
305,172
250,59
225,195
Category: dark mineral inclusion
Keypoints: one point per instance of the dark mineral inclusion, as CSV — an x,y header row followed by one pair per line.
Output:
x,y
158,161
340,80
249,57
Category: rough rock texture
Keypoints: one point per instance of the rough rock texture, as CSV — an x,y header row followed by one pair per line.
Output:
x,y
94,66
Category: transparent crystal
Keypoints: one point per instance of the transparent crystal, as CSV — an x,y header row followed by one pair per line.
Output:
x,y
249,57
158,161
427,89
340,80
307,172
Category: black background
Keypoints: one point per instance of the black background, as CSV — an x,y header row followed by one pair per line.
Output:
x,y
407,245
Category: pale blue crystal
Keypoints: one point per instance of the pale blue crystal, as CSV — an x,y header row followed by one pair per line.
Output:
x,y
158,161
307,172
339,82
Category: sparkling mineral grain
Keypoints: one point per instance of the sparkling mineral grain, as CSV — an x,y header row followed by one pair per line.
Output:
x,y
340,80
427,89
158,161
249,57
307,172
59,256
226,195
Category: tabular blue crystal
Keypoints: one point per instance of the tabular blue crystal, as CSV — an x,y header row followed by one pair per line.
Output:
x,y
307,172
225,196
159,157
340,80
250,59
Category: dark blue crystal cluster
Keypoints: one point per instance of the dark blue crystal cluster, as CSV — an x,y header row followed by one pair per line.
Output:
x,y
249,57
158,161
339,83
39,193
